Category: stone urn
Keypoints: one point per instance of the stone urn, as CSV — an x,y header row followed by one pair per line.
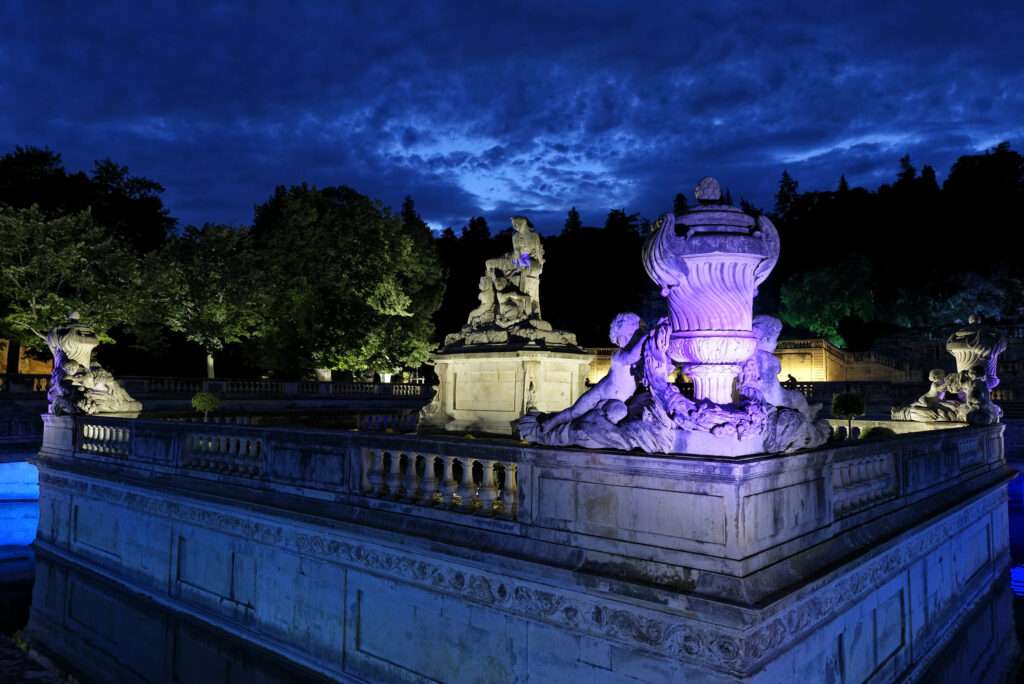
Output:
x,y
709,262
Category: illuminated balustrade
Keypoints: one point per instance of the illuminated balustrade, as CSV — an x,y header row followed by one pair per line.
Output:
x,y
105,438
472,485
225,453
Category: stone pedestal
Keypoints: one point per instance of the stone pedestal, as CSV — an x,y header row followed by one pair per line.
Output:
x,y
485,390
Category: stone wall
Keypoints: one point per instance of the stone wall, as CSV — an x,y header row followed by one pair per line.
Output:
x,y
854,561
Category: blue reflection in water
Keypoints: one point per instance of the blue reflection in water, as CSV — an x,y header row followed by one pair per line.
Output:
x,y
19,481
18,522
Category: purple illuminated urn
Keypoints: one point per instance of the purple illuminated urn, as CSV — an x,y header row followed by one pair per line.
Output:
x,y
709,262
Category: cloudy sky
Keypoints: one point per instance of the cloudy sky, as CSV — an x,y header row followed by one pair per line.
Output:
x,y
496,108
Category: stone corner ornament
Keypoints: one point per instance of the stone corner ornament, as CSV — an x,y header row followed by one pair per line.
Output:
x,y
79,385
964,396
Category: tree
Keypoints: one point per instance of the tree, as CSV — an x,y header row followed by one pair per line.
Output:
x,y
349,287
476,230
205,285
848,405
50,267
128,206
620,222
821,299
786,196
907,172
679,204
205,402
844,187
573,224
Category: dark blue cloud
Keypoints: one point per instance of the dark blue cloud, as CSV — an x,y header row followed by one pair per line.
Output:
x,y
499,108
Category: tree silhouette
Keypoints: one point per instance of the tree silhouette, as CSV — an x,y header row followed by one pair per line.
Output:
x,y
679,204
573,224
786,195
129,206
618,221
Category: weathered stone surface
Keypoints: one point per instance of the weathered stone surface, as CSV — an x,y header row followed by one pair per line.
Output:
x,y
509,308
79,384
634,566
963,396
708,262
485,391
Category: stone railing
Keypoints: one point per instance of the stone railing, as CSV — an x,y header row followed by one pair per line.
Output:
x,y
225,454
470,485
879,396
167,387
11,383
662,510
107,438
861,481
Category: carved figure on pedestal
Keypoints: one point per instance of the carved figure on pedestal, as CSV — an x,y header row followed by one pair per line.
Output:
x,y
485,312
509,309
78,384
932,405
759,376
964,396
619,384
708,262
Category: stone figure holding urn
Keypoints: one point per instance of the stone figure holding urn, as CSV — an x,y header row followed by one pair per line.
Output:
x,y
708,262
78,384
964,396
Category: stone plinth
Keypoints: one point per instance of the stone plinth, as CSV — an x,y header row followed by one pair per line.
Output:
x,y
486,389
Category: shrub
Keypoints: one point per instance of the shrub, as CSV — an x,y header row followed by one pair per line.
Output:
x,y
205,402
848,405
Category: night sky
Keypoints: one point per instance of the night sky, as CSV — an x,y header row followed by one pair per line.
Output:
x,y
499,108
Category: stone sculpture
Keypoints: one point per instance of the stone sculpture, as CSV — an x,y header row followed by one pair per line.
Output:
x,y
78,384
966,395
509,298
708,262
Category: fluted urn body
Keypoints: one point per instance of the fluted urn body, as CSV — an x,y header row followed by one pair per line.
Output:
x,y
709,262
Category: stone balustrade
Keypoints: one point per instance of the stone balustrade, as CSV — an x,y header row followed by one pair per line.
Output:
x,y
731,519
859,482
106,437
158,386
224,453
466,484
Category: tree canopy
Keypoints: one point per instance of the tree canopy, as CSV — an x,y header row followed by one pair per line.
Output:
x,y
349,286
205,284
128,206
50,267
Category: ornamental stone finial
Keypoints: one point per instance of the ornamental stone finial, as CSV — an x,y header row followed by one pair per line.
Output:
x,y
708,190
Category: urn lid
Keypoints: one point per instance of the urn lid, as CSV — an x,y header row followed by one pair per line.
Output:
x,y
710,228
712,214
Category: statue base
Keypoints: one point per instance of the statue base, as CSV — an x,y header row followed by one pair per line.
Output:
x,y
486,388
528,332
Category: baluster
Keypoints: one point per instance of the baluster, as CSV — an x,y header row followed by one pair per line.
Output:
x,y
467,488
449,487
412,488
394,479
488,490
510,491
366,485
429,490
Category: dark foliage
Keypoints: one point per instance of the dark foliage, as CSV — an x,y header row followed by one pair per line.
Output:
x,y
129,206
